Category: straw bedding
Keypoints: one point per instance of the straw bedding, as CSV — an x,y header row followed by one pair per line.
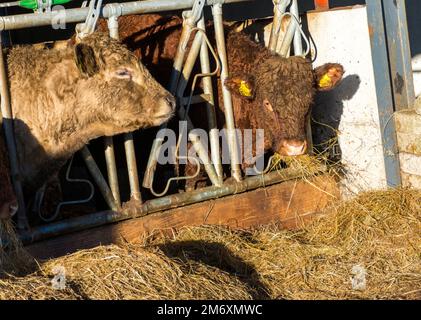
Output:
x,y
373,240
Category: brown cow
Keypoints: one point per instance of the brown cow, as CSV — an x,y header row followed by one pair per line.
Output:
x,y
63,98
8,202
269,92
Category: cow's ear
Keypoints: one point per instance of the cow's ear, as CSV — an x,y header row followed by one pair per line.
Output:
x,y
328,76
241,85
86,60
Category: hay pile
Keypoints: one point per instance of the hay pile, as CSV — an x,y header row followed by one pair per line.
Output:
x,y
374,240
13,258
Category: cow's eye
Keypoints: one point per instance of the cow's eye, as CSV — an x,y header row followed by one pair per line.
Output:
x,y
123,74
268,105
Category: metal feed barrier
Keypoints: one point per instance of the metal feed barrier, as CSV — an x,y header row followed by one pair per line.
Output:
x,y
193,24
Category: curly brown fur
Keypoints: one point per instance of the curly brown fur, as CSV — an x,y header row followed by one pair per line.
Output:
x,y
282,90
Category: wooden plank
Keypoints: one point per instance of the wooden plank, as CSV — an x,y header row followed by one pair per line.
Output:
x,y
292,204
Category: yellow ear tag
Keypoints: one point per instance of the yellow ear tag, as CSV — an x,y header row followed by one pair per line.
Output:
x,y
244,89
325,81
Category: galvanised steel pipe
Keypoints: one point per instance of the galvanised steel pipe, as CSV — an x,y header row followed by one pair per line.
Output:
x,y
284,49
9,4
31,20
108,141
210,105
298,45
279,8
172,87
6,113
99,179
189,64
132,167
177,86
182,83
226,94
190,21
160,204
111,167
128,137
203,155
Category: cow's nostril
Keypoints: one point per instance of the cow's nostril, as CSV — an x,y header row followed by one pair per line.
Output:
x,y
13,207
293,147
8,209
171,101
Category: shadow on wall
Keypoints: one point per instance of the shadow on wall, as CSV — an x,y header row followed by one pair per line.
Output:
x,y
217,255
327,112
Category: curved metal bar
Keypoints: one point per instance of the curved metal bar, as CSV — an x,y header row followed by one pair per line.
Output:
x,y
286,42
183,113
268,166
199,149
279,7
226,94
99,179
64,203
210,106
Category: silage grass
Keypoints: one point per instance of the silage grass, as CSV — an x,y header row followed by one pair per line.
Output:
x,y
13,258
379,231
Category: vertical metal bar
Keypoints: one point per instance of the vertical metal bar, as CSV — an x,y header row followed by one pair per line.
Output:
x,y
172,87
226,95
276,26
203,155
108,141
210,105
399,53
189,64
298,50
99,179
279,7
285,47
384,92
182,83
132,167
298,45
6,112
111,167
179,57
128,137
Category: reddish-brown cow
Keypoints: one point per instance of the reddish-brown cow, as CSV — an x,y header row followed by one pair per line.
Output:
x,y
269,92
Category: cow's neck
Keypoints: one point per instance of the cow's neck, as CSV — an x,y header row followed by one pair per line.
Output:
x,y
43,161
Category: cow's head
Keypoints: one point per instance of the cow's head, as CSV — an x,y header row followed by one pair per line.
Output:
x,y
279,93
113,80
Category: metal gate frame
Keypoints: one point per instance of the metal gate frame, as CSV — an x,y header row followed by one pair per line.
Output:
x,y
111,12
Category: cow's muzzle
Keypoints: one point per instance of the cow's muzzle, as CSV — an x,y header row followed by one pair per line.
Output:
x,y
292,147
8,209
165,109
